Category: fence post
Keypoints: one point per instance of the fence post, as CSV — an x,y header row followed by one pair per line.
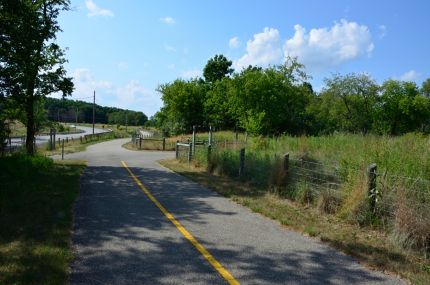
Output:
x,y
286,161
140,143
67,139
210,135
241,161
209,153
371,185
194,139
177,150
59,141
164,144
53,141
190,153
62,150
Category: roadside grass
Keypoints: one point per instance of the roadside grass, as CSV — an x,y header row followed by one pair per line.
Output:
x,y
151,145
371,246
36,200
76,145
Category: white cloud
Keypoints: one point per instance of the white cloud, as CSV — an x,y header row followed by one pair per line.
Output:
x,y
122,65
262,50
325,47
191,74
168,20
411,75
382,31
133,95
94,10
169,48
85,84
234,42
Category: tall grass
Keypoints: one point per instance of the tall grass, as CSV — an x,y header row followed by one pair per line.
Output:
x,y
329,172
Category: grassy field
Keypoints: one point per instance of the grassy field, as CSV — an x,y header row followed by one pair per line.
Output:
x,y
36,201
324,192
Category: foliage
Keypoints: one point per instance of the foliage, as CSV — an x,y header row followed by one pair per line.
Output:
x,y
183,104
64,110
32,63
279,99
217,68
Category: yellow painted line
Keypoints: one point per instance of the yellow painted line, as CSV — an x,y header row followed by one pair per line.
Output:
x,y
218,267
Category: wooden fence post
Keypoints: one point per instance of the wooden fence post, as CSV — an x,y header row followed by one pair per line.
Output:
x,y
140,143
190,153
371,186
209,153
194,138
286,161
164,144
241,161
62,150
177,150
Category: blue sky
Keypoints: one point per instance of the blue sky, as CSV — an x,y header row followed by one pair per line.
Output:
x,y
125,49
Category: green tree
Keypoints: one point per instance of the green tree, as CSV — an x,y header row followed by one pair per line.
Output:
x,y
270,101
402,108
183,104
217,68
349,101
425,88
31,61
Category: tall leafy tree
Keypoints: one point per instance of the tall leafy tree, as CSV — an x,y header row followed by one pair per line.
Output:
x,y
217,68
353,97
31,61
425,88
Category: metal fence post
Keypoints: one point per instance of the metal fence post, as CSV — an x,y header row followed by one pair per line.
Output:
x,y
371,185
177,150
241,161
210,135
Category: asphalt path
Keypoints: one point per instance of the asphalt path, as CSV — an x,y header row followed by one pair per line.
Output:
x,y
120,236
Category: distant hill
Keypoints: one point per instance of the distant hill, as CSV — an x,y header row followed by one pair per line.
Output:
x,y
65,110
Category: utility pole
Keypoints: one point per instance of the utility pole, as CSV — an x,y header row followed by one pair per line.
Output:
x,y
94,110
126,120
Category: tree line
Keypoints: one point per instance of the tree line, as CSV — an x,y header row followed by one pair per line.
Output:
x,y
64,110
279,99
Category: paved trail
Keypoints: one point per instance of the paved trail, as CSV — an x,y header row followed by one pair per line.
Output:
x,y
121,236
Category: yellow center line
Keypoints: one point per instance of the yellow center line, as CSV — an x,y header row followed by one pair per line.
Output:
x,y
218,267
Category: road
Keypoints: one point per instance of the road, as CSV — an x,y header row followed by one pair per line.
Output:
x,y
45,139
179,232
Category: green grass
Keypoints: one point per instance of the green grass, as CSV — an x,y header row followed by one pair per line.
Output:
x,y
370,245
36,199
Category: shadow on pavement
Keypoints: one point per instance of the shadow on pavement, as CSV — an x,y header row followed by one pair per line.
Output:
x,y
120,237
